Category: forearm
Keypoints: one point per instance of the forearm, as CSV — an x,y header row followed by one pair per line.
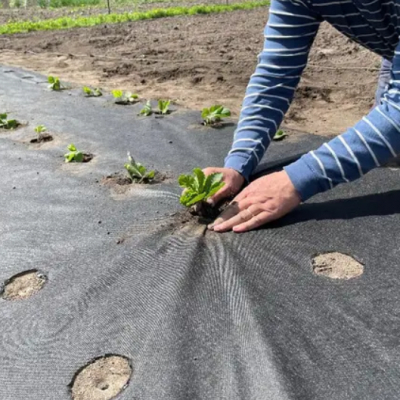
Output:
x,y
369,144
288,37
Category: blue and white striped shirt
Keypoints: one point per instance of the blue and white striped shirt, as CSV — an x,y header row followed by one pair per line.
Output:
x,y
289,34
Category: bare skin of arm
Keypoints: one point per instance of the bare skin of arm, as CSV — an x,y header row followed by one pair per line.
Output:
x,y
264,200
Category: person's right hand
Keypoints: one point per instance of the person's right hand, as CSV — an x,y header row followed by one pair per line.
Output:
x,y
233,183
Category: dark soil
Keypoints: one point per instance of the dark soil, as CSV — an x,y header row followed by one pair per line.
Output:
x,y
117,179
197,61
42,138
87,157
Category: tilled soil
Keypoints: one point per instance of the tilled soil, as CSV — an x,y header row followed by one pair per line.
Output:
x,y
202,60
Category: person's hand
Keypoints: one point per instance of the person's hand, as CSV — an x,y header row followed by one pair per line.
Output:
x,y
264,200
233,183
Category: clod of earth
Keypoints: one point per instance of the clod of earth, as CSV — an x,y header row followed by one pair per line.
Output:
x,y
23,285
337,266
102,379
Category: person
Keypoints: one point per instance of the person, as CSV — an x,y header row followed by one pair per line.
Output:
x,y
289,34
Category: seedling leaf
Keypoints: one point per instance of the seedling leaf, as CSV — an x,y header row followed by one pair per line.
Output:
x,y
146,110
73,155
279,135
214,114
8,123
137,172
40,129
199,188
54,83
163,106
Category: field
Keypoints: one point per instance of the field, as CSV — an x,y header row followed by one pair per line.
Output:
x,y
195,60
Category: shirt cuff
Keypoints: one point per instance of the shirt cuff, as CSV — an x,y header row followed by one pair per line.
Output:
x,y
306,181
241,163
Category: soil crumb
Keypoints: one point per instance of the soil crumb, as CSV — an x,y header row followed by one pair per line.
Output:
x,y
337,266
102,379
23,285
42,138
87,157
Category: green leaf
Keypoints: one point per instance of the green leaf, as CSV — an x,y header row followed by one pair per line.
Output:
x,y
225,112
199,179
3,116
205,113
187,182
117,93
279,135
146,110
87,91
40,129
215,188
51,79
196,199
211,180
71,147
151,175
78,156
97,92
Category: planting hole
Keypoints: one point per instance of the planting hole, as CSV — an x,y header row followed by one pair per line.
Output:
x,y
337,266
23,285
101,379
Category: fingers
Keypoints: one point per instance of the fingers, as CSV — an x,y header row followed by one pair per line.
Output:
x,y
233,209
255,222
224,192
236,216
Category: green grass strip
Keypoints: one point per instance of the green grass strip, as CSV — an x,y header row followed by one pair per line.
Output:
x,y
68,22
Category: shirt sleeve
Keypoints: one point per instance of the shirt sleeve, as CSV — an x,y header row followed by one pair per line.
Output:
x,y
289,34
369,144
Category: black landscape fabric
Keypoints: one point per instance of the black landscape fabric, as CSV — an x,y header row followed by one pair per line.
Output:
x,y
199,315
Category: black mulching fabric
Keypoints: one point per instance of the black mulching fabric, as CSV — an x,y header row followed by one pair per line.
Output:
x,y
214,316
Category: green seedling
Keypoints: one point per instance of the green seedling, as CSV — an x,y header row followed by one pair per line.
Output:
x,y
198,187
96,92
137,172
55,84
73,155
40,129
146,110
7,123
279,135
121,97
214,114
163,106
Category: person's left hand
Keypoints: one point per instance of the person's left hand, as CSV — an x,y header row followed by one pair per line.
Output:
x,y
264,200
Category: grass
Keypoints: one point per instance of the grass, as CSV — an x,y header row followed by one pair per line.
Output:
x,y
69,22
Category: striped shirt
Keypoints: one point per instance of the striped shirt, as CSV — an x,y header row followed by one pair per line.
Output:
x,y
289,34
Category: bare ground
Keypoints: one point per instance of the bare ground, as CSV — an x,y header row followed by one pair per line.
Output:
x,y
202,60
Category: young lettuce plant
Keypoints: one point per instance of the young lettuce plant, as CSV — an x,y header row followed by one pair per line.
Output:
x,y
137,172
198,187
163,106
55,84
7,123
214,114
96,92
279,135
146,110
40,129
121,97
73,155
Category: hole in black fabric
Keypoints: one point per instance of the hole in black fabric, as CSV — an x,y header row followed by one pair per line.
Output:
x,y
102,378
336,265
23,285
